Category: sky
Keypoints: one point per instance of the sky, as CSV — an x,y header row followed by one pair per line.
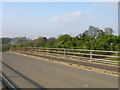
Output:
x,y
51,19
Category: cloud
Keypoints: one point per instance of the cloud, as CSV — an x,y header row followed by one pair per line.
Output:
x,y
58,19
67,17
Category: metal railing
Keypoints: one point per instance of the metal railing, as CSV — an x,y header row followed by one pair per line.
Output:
x,y
6,82
108,57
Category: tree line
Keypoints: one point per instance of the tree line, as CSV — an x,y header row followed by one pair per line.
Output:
x,y
92,39
6,43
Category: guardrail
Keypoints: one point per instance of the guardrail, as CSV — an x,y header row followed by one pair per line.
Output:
x,y
108,57
6,82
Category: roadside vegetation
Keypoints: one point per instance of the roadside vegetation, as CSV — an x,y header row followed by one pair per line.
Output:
x,y
92,39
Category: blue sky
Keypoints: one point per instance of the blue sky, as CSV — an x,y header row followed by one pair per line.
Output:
x,y
50,19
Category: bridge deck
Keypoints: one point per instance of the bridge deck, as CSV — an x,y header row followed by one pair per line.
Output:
x,y
29,72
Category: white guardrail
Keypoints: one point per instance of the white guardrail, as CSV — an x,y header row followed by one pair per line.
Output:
x,y
8,84
108,57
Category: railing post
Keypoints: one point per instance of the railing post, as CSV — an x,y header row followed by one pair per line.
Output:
x,y
47,50
35,50
28,49
19,49
64,52
90,55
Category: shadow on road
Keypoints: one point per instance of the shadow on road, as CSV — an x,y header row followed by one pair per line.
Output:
x,y
25,77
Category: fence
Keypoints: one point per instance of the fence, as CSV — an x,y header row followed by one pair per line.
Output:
x,y
108,57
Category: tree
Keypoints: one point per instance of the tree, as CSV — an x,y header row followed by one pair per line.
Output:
x,y
6,40
62,39
93,38
92,31
29,43
76,41
5,43
50,42
18,40
40,41
108,31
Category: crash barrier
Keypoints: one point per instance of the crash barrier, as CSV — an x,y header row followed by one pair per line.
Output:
x,y
108,57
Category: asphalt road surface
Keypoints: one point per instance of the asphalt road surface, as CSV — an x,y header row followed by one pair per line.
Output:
x,y
94,65
26,72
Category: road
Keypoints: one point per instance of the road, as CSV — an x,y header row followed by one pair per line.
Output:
x,y
26,72
94,65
